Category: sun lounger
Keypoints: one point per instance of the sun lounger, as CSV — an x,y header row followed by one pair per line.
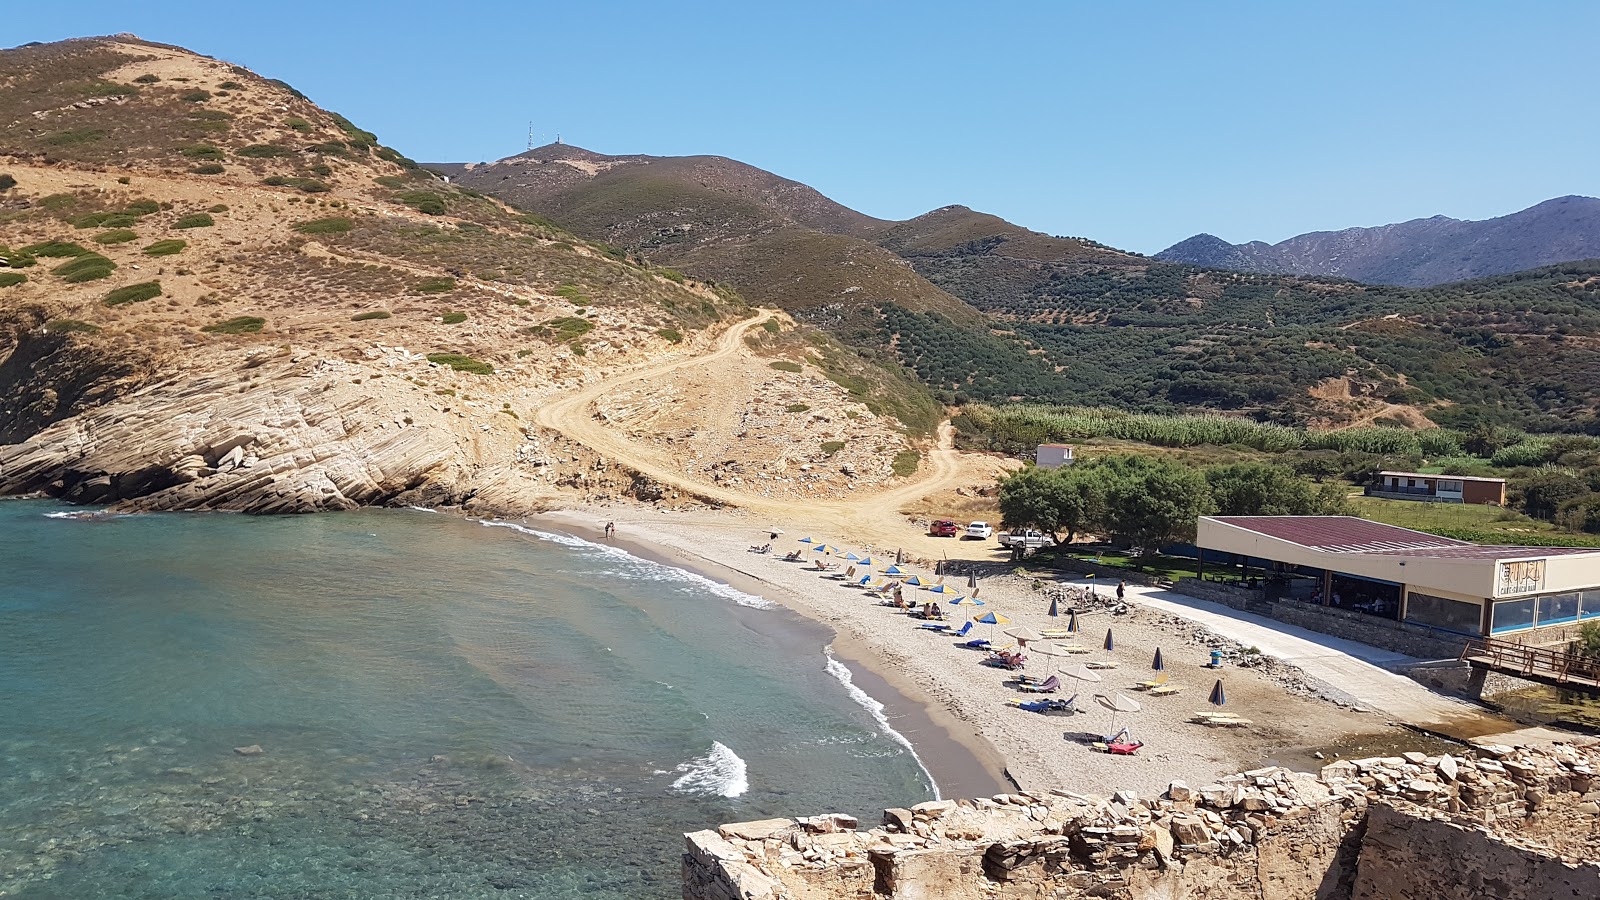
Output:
x,y
1124,748
1165,690
977,644
1047,705
1221,720
1054,633
1048,686
935,626
1153,683
1102,664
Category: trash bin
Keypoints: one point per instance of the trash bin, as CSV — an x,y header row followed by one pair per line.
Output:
x,y
1216,659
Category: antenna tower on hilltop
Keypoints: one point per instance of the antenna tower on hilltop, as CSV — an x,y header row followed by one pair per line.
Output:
x,y
530,135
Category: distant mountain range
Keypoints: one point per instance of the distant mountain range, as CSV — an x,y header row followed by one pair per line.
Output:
x,y
1417,253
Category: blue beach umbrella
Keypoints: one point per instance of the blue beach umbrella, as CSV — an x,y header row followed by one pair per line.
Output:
x,y
893,570
1217,698
867,561
824,548
965,601
1110,644
916,580
992,619
1158,663
941,589
1053,611
806,540
852,557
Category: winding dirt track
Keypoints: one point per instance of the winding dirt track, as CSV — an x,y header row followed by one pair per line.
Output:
x,y
868,517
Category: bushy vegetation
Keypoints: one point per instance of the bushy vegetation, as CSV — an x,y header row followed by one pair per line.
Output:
x,y
562,329
370,315
195,220
196,96
133,293
309,185
905,463
263,151
832,447
797,408
423,202
116,236
7,182
453,317
237,325
784,365
202,151
208,169
332,225
85,267
436,285
11,279
169,247
461,363
55,249
671,335
70,326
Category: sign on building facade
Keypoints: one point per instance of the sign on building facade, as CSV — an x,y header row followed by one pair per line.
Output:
x,y
1525,577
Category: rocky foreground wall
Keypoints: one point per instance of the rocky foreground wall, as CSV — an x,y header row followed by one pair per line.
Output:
x,y
1505,822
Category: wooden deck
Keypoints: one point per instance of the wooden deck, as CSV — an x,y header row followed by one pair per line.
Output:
x,y
1556,668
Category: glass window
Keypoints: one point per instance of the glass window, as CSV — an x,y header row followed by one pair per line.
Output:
x,y
1510,615
1443,613
1557,608
1589,605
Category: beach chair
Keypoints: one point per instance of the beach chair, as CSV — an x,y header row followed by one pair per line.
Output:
x,y
1153,683
1048,686
965,630
1049,706
934,626
1102,664
977,644
1165,690
1055,633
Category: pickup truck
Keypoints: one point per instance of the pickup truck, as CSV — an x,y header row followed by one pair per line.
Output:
x,y
1027,539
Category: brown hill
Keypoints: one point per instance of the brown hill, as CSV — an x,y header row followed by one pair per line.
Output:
x,y
215,294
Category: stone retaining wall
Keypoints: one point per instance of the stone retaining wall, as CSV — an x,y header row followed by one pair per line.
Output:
x,y
1269,833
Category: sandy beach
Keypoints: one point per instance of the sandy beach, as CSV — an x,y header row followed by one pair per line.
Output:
x,y
967,700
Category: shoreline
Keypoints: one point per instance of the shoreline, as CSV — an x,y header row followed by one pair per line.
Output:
x,y
959,760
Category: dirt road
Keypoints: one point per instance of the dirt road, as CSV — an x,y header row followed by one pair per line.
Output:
x,y
870,518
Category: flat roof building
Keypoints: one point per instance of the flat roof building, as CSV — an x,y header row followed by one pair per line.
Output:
x,y
1410,577
1050,456
1438,488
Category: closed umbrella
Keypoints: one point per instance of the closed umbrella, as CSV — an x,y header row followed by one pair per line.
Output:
x,y
1072,621
900,556
972,579
1158,663
1117,703
1110,644
1053,611
1218,698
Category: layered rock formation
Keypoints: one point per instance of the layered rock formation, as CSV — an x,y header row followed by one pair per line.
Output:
x,y
1504,822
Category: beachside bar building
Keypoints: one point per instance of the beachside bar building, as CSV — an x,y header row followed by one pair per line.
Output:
x,y
1408,577
1438,488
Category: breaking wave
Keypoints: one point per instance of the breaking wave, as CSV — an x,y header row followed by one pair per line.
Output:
x,y
720,772
875,709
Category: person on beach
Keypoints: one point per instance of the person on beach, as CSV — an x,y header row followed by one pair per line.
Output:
x,y
611,530
1122,588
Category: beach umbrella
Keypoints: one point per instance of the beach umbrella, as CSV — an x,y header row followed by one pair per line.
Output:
x,y
825,548
1072,621
900,556
867,561
893,570
1053,651
941,589
1117,703
1110,644
1217,698
806,540
774,530
1079,671
1158,664
1024,634
852,557
967,601
992,619
916,580
972,579
1053,611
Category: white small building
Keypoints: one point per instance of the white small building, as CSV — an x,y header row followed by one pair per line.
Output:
x,y
1051,456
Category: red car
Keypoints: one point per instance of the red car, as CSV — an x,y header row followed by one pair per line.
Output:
x,y
944,528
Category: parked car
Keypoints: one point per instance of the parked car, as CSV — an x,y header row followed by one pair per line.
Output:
x,y
980,531
1027,538
944,528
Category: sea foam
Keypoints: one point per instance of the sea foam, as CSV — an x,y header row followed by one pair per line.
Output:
x,y
640,568
720,772
875,709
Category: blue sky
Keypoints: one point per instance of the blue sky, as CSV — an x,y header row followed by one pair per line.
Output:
x,y
1134,123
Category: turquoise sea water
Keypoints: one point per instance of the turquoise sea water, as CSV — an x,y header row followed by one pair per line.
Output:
x,y
445,709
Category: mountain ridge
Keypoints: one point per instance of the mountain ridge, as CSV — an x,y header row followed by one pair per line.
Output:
x,y
1420,252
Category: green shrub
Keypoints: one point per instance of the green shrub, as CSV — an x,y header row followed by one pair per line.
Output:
x,y
9,279
439,285
104,220
572,292
146,79
74,136
236,325
202,151
832,447
55,249
334,225
217,208
578,349
796,408
322,169
166,248
563,329
142,207
298,124
453,318
771,326
58,202
116,236
391,181
357,136
672,335
133,293
196,96
263,151
671,275
905,463
370,315
195,220
784,365
88,267
208,169
69,326
230,86
7,182
461,363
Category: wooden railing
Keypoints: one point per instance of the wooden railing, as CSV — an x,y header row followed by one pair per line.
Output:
x,y
1513,658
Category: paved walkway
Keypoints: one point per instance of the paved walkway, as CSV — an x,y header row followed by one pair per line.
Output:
x,y
1360,670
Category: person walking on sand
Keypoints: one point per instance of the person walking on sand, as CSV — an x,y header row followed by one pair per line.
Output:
x,y
611,530
1122,588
